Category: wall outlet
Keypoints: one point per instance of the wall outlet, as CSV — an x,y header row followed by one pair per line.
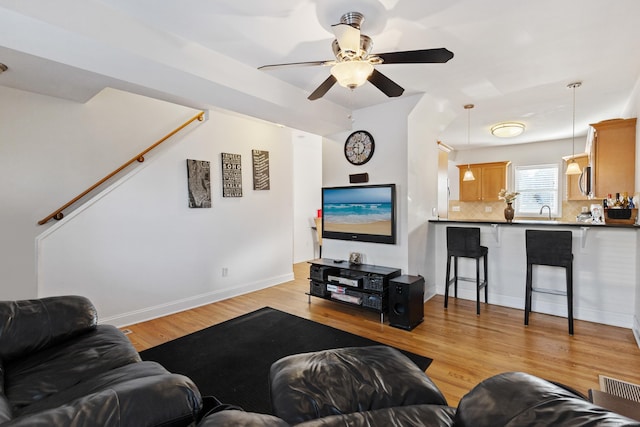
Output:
x,y
585,209
455,208
225,271
488,209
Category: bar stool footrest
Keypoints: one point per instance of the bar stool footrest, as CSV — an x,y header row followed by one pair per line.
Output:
x,y
549,291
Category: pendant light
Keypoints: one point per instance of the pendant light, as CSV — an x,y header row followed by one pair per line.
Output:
x,y
572,167
468,174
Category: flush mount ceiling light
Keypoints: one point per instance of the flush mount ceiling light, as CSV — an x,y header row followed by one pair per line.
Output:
x,y
468,174
507,129
573,168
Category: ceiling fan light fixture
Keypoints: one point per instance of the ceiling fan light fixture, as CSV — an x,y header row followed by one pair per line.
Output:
x,y
351,74
507,129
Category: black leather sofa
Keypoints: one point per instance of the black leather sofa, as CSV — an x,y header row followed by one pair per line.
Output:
x,y
378,386
58,367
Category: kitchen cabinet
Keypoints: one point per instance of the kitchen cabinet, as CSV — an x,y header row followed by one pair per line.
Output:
x,y
614,157
490,179
573,181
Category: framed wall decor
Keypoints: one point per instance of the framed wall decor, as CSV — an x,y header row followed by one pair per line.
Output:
x,y
260,170
199,183
231,175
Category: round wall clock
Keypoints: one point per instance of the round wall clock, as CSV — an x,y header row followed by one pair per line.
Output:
x,y
359,147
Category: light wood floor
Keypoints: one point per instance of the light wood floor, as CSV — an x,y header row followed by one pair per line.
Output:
x,y
466,348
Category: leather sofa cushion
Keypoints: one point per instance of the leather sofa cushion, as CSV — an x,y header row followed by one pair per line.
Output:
x,y
236,418
31,325
61,367
413,415
518,399
5,406
346,380
136,395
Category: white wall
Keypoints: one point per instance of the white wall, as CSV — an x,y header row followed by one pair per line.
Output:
x,y
388,125
424,124
137,250
633,109
307,173
51,150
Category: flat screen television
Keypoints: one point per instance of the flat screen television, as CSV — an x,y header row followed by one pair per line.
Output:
x,y
365,213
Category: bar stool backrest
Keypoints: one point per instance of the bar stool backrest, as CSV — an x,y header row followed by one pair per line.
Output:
x,y
463,241
546,247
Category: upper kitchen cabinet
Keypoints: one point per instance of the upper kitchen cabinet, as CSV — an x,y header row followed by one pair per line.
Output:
x,y
614,157
576,184
490,179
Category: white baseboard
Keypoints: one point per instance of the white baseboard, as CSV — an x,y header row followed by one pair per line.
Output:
x,y
623,320
172,307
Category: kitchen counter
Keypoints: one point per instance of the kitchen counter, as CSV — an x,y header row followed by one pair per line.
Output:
x,y
605,272
536,222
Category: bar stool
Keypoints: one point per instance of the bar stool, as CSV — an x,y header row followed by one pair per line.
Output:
x,y
465,242
549,248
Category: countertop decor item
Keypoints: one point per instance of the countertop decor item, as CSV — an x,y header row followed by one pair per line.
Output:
x,y
508,196
509,212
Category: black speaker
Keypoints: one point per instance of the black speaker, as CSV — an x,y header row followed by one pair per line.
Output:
x,y
406,301
358,178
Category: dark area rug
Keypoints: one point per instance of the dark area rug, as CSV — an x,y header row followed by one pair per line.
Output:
x,y
231,360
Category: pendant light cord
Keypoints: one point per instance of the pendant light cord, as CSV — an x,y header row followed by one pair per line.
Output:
x,y
573,129
468,107
574,86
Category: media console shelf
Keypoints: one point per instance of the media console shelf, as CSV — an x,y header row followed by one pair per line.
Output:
x,y
362,285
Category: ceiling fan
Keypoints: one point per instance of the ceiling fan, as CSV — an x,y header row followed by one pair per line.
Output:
x,y
354,63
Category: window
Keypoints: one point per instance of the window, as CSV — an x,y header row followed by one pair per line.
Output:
x,y
538,186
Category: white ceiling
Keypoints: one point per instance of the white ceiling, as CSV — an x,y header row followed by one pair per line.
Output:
x,y
513,59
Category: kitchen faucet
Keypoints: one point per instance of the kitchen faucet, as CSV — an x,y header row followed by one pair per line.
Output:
x,y
548,207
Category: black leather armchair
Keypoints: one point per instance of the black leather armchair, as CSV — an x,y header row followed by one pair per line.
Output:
x,y
58,367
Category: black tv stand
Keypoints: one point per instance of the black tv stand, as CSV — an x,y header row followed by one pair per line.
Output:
x,y
362,285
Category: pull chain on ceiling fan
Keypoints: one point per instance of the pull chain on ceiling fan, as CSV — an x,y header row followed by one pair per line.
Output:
x,y
354,64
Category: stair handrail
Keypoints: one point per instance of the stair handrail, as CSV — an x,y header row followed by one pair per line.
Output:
x,y
58,215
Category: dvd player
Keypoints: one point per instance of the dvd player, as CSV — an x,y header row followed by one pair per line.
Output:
x,y
345,281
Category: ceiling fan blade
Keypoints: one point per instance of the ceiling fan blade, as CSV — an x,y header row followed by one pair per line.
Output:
x,y
422,56
323,88
385,84
348,37
293,64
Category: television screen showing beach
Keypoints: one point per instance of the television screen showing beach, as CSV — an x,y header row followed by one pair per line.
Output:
x,y
358,210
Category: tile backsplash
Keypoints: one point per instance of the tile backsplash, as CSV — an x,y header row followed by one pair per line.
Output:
x,y
495,210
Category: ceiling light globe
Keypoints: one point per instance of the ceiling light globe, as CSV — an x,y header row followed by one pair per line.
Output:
x,y
507,129
352,74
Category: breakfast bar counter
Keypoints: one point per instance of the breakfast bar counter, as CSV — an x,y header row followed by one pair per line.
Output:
x,y
605,275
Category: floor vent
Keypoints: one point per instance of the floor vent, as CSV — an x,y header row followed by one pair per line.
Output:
x,y
126,331
620,388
